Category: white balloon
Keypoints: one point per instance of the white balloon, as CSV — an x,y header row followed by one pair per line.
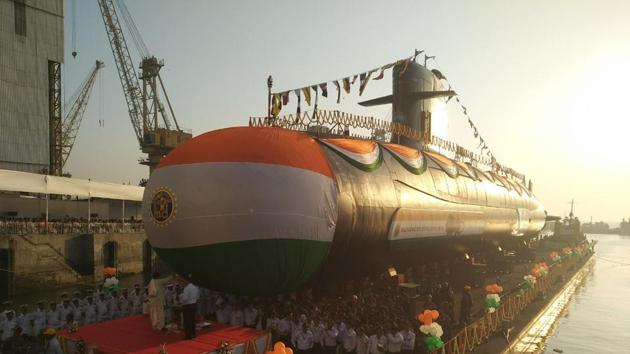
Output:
x,y
436,330
425,329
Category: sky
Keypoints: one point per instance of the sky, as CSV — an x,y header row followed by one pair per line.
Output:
x,y
546,82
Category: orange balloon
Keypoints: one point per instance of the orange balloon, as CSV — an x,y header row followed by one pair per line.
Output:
x,y
278,348
288,350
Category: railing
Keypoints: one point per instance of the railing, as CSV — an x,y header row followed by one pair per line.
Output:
x,y
26,227
338,122
481,330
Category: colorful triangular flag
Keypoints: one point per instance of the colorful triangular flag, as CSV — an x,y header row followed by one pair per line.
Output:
x,y
276,104
324,88
338,90
405,64
285,98
346,84
354,78
307,94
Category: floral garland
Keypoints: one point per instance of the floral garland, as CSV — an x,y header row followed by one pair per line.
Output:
x,y
540,270
555,257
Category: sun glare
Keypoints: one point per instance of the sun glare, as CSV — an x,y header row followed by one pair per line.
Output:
x,y
600,116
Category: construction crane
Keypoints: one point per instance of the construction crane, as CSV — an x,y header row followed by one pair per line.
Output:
x,y
72,121
155,126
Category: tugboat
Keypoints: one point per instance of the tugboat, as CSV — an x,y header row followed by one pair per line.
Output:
x,y
569,229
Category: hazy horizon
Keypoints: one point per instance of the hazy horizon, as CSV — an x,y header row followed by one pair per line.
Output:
x,y
545,82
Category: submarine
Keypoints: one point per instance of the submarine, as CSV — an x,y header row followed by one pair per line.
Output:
x,y
262,210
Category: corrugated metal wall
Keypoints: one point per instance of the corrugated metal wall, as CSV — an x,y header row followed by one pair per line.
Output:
x,y
24,81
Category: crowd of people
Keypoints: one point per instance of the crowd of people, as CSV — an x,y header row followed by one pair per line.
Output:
x,y
370,317
25,226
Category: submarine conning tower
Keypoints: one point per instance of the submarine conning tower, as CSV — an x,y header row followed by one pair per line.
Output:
x,y
415,94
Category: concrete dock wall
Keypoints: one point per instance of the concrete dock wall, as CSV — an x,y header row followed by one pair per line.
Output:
x,y
37,262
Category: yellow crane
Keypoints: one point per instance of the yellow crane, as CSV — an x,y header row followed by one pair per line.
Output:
x,y
67,132
154,124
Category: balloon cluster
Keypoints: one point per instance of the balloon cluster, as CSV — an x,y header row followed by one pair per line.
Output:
x,y
111,271
567,251
432,330
554,256
280,348
579,249
530,280
494,288
493,300
540,270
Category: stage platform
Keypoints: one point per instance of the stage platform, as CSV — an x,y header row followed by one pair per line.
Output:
x,y
134,335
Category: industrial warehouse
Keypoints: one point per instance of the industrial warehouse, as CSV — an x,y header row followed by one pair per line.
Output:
x,y
369,213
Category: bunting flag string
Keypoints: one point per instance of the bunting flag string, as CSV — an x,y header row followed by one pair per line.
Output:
x,y
282,98
345,83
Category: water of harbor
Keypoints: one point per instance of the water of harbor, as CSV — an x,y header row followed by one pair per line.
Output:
x,y
597,319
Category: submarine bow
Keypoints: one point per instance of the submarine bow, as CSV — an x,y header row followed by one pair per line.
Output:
x,y
244,210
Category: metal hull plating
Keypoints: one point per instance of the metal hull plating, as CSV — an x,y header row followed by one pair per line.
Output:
x,y
260,210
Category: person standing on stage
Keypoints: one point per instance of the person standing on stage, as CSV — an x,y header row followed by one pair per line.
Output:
x,y
156,301
188,299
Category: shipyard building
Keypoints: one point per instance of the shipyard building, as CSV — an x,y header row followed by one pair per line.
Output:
x,y
31,53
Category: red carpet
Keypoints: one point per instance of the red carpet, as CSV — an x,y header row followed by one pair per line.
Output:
x,y
134,335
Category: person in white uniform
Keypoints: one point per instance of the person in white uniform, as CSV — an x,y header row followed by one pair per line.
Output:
x,y
363,342
39,319
394,341
238,317
349,341
23,320
89,310
409,341
7,326
52,316
329,339
304,341
378,342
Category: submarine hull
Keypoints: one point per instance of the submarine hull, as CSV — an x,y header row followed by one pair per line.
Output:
x,y
259,211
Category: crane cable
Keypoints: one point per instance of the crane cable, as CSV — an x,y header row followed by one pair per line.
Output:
x,y
74,28
142,48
